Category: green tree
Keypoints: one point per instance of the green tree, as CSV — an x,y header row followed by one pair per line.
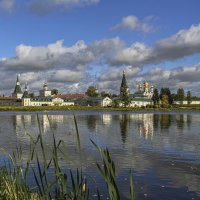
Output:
x,y
104,94
124,91
92,91
189,97
125,98
54,91
155,97
165,101
115,103
166,91
180,95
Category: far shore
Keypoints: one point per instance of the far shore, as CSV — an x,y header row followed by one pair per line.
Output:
x,y
44,108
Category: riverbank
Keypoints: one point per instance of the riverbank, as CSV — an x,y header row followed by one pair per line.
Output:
x,y
44,108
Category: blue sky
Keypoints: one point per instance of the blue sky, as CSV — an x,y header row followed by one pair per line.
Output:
x,y
68,43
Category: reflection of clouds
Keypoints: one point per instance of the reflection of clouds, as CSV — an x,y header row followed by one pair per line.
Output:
x,y
151,142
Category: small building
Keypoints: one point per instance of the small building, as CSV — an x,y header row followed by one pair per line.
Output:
x,y
10,101
193,102
140,102
95,101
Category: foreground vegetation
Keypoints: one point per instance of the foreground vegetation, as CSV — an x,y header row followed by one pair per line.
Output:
x,y
150,108
62,185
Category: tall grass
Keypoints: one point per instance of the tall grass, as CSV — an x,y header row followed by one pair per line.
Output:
x,y
61,185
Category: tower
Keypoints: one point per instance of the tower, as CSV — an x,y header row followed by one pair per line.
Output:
x,y
17,91
26,101
140,88
45,92
124,89
45,87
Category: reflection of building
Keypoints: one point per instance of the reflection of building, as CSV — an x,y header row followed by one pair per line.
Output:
x,y
107,119
145,126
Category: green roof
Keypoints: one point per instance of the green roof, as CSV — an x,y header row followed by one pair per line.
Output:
x,y
26,95
17,90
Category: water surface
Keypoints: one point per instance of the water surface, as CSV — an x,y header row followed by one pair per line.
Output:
x,y
162,148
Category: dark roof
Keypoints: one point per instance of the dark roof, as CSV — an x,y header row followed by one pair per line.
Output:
x,y
141,99
8,98
17,90
70,96
26,95
47,99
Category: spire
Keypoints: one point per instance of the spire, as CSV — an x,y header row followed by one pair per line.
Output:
x,y
45,87
17,91
26,87
17,81
26,95
124,85
124,82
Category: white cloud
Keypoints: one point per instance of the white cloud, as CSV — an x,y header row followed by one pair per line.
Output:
x,y
66,76
52,56
184,43
71,64
7,5
133,23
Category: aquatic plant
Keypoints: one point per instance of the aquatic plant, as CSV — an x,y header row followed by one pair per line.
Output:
x,y
61,185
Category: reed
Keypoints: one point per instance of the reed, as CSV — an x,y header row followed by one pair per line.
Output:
x,y
61,185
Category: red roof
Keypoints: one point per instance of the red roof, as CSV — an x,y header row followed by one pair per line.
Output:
x,y
70,96
8,98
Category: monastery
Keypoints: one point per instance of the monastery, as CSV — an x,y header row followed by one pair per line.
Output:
x,y
140,98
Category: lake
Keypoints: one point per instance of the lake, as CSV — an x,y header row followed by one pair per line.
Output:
x,y
161,148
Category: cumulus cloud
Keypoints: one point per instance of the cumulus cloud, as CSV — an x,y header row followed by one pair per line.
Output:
x,y
67,76
133,23
184,43
50,57
7,5
186,74
39,6
71,64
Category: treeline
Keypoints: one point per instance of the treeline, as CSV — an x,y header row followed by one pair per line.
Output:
x,y
165,98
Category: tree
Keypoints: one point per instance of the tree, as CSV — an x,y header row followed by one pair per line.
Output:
x,y
115,103
166,91
124,91
125,98
189,97
155,97
165,101
92,91
32,95
104,94
54,91
180,95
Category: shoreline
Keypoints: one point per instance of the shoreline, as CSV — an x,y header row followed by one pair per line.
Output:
x,y
94,108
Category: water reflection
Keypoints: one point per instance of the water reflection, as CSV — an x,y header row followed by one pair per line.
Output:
x,y
123,122
163,149
165,121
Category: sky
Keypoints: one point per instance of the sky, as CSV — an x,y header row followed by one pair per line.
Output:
x,y
73,44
